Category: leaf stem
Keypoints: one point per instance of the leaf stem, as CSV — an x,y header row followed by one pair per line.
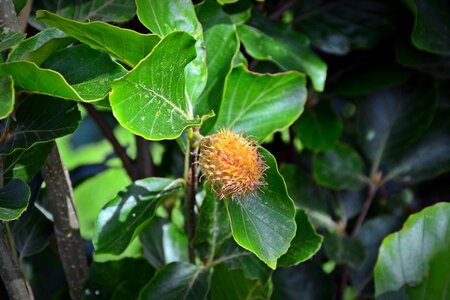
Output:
x,y
192,180
70,244
109,135
144,163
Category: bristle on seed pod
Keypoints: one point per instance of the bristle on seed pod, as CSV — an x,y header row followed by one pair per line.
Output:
x,y
232,164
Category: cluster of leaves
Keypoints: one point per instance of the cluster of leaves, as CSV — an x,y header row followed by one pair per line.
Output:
x,y
349,98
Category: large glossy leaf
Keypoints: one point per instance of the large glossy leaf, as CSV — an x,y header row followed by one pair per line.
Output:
x,y
431,26
305,243
7,96
163,17
35,125
150,101
230,284
410,56
210,13
290,50
429,158
133,208
31,233
105,278
76,73
13,199
24,164
178,281
261,104
151,237
264,222
212,227
221,45
126,45
407,257
40,46
390,120
117,11
337,27
319,127
339,168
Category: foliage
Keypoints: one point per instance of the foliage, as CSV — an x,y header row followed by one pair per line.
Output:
x,y
349,115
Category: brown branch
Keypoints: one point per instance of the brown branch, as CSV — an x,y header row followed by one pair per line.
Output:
x,y
280,11
109,135
144,163
70,244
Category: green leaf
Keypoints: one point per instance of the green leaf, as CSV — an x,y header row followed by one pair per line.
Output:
x,y
210,13
266,40
407,256
305,244
40,46
431,25
435,285
343,249
8,40
150,100
341,26
151,237
260,104
316,201
212,228
8,97
366,78
221,45
308,278
411,57
31,233
340,168
106,278
116,11
125,215
13,199
319,127
163,17
35,125
88,71
126,45
178,281
24,164
264,222
175,244
390,120
230,284
428,159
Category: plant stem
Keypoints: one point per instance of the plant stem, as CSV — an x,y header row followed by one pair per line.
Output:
x,y
144,163
373,187
192,181
109,135
70,244
280,11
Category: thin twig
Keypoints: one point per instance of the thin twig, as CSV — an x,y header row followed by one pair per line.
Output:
x,y
67,229
109,135
280,11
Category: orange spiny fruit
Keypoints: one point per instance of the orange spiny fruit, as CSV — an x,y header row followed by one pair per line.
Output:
x,y
232,164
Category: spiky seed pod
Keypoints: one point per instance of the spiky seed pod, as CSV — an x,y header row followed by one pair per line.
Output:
x,y
232,164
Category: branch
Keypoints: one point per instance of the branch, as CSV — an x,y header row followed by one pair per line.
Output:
x,y
70,244
8,17
144,163
280,11
107,132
